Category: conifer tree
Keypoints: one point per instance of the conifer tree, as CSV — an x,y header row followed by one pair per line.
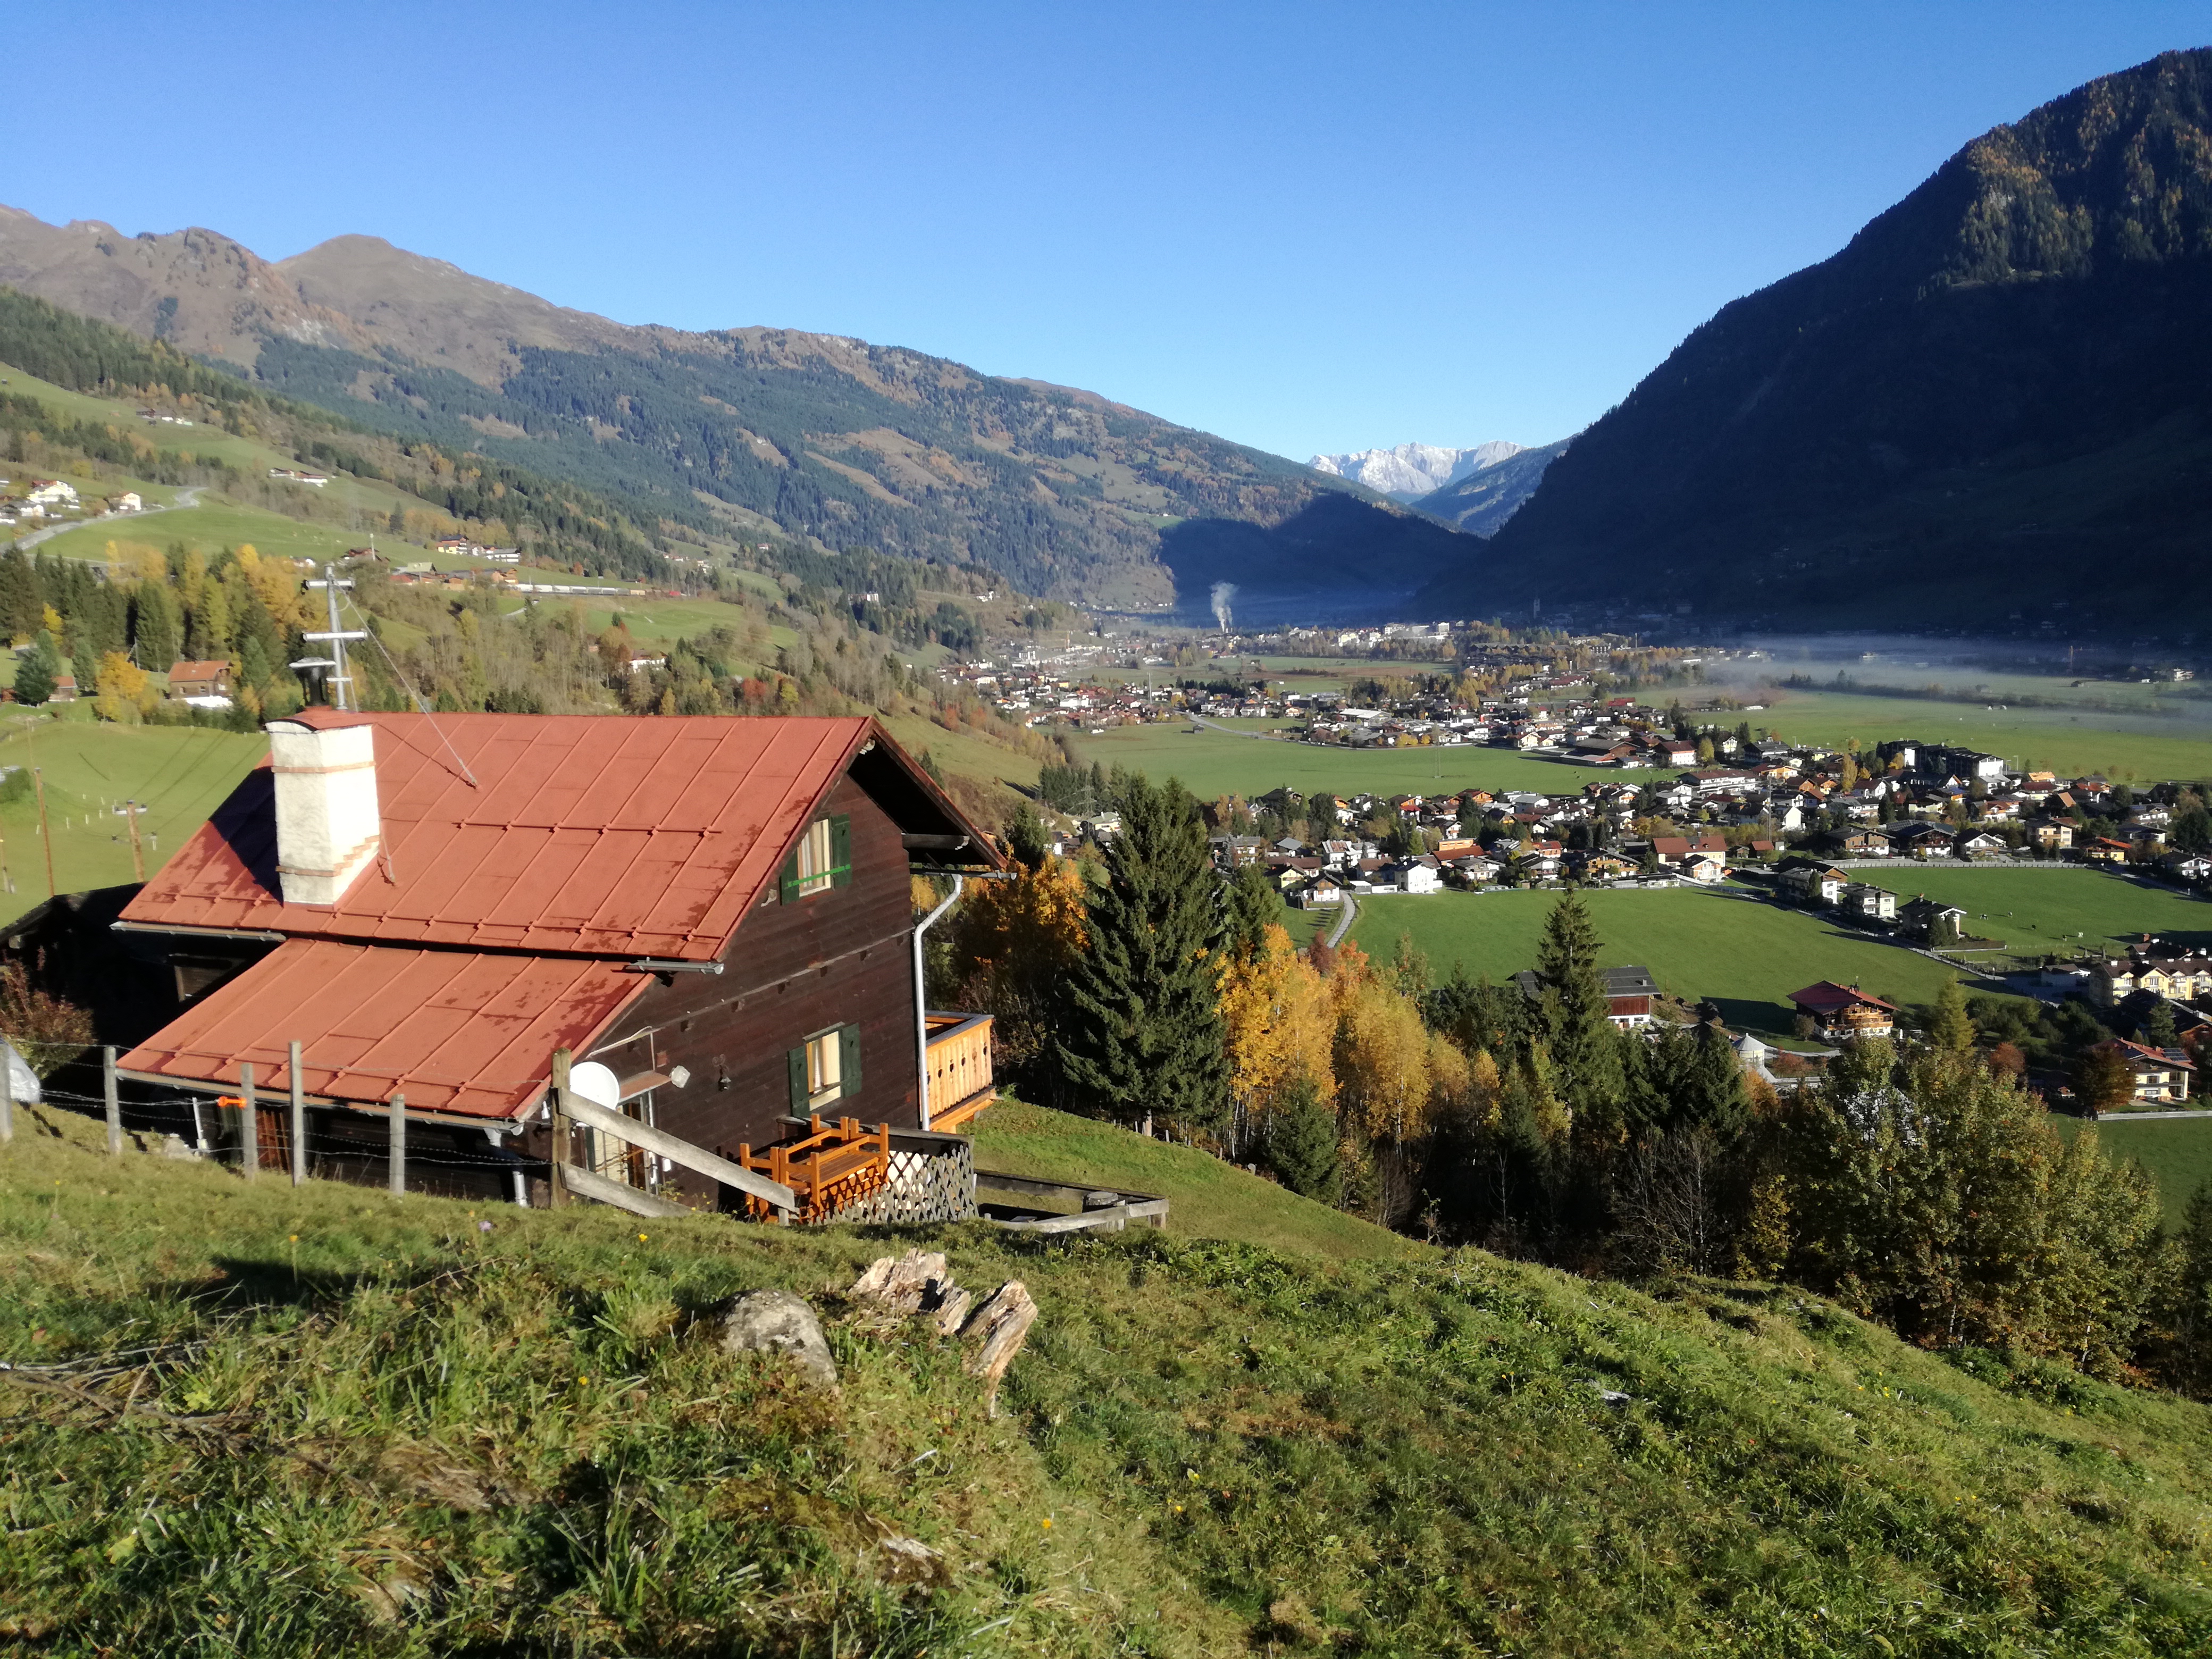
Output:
x,y
36,671
1573,1014
1301,1141
1144,1030
1950,1029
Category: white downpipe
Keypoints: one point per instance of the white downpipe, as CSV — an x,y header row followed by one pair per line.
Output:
x,y
921,995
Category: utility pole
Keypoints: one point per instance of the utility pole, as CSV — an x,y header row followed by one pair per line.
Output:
x,y
340,683
45,830
137,852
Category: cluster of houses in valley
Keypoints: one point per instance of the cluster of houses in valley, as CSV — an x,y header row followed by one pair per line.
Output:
x,y
35,500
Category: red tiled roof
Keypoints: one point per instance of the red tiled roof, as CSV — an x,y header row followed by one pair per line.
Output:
x,y
580,833
453,1030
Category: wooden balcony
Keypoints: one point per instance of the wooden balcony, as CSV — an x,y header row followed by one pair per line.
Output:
x,y
960,1083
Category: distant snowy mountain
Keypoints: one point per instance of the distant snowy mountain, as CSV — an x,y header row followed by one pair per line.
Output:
x,y
1413,471
1483,501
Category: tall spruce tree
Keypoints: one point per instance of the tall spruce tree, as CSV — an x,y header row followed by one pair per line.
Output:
x,y
1575,1016
1144,1032
155,627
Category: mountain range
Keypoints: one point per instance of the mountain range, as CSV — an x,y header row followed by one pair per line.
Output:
x,y
749,431
1412,470
1991,412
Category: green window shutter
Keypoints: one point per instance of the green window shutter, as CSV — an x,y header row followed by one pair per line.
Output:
x,y
841,852
849,1062
787,883
799,1090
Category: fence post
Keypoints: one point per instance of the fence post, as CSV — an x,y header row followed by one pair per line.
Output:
x,y
249,1126
114,1103
398,1154
7,1093
299,1121
557,1170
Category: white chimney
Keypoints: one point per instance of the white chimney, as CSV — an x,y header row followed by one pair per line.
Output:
x,y
328,829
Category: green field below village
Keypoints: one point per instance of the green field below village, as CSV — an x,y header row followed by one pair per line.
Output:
x,y
1213,763
2060,909
2072,742
177,775
1743,956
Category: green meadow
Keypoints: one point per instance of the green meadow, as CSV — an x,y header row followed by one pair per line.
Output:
x,y
177,775
1741,954
210,527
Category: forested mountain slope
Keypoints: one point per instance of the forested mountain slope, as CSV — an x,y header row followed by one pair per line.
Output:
x,y
1061,492
1988,412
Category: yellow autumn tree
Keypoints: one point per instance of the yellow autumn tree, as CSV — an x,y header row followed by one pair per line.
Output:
x,y
122,690
1011,943
1281,1025
275,582
1381,1054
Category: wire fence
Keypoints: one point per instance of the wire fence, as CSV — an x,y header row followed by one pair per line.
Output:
x,y
280,1136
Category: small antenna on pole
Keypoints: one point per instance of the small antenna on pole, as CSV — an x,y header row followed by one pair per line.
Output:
x,y
340,682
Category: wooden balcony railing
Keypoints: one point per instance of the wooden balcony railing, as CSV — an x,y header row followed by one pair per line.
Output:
x,y
831,1166
960,1084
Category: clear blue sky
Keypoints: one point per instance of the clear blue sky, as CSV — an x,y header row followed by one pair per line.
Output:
x,y
1306,226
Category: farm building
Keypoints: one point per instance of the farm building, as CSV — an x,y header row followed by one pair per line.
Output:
x,y
713,916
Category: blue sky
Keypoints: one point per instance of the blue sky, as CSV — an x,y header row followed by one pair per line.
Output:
x,y
1306,226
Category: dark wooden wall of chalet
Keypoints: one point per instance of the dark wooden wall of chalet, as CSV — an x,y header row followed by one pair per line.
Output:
x,y
840,956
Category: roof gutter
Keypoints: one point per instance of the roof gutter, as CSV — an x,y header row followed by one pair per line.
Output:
x,y
262,935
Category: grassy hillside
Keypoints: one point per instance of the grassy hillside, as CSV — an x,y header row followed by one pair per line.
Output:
x,y
1209,1198
278,1422
1746,957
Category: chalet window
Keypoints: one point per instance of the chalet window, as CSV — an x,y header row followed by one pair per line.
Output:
x,y
822,859
825,1069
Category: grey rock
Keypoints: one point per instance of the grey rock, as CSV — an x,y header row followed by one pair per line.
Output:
x,y
776,1321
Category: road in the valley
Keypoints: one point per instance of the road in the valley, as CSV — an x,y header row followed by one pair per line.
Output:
x,y
1344,921
188,496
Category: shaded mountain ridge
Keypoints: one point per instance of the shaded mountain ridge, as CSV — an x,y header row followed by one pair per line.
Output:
x,y
1988,411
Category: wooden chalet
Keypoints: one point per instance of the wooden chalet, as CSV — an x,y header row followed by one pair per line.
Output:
x,y
712,915
1844,1010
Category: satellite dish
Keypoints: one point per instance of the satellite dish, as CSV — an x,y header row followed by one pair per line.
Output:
x,y
596,1084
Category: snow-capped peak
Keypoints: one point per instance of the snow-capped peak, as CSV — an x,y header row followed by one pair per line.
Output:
x,y
1413,471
